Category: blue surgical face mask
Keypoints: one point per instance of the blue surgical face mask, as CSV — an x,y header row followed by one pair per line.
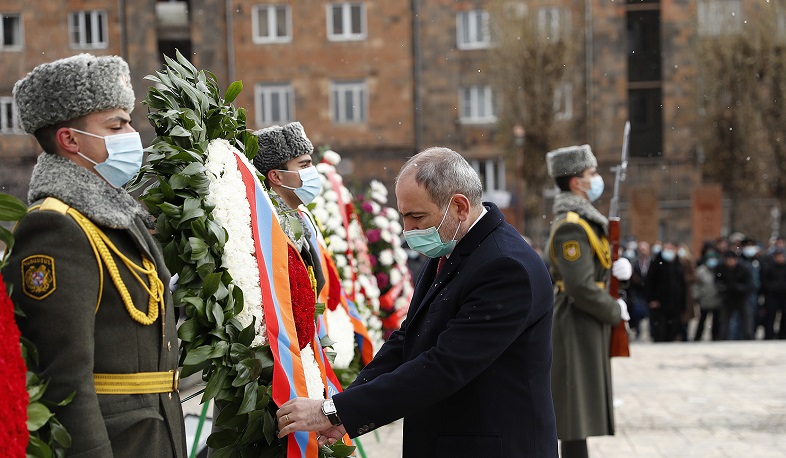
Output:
x,y
428,242
312,185
124,160
595,189
668,255
711,262
750,251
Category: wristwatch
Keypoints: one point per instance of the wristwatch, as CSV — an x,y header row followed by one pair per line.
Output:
x,y
329,409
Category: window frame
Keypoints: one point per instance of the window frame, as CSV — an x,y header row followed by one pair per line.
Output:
x,y
346,14
257,38
554,24
492,174
563,101
266,90
19,45
488,115
338,107
103,21
473,35
15,127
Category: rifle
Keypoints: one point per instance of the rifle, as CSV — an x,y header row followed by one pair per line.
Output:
x,y
619,333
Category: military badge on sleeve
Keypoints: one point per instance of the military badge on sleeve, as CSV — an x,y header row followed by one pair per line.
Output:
x,y
571,250
38,274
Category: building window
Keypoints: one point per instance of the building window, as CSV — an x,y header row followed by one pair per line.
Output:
x,y
476,105
346,21
491,173
88,29
563,102
554,24
646,122
349,102
492,176
274,104
9,118
10,31
644,45
719,17
272,24
472,30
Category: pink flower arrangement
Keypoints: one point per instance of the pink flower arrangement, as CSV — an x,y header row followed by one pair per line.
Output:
x,y
386,254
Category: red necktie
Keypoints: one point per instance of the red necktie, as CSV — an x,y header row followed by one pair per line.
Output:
x,y
441,263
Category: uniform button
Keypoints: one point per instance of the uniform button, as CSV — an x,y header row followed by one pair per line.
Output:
x,y
169,346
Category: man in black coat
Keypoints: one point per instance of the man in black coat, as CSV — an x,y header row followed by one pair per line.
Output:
x,y
469,370
735,283
666,293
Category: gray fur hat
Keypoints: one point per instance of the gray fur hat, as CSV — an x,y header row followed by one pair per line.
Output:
x,y
278,145
570,160
70,88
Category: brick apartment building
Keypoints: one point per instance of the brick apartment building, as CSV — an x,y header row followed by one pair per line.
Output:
x,y
379,80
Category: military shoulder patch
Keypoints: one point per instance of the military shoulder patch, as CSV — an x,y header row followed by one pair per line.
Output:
x,y
571,250
38,276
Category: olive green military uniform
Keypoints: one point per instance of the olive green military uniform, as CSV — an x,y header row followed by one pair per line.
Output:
x,y
80,324
584,313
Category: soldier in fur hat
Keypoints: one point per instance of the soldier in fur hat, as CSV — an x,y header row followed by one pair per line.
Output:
x,y
284,158
89,277
584,312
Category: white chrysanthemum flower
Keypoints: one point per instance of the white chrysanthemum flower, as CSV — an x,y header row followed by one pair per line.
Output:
x,y
386,257
331,156
386,235
395,242
341,261
319,200
314,384
401,303
379,197
345,194
324,168
341,331
339,231
381,222
391,213
400,255
395,226
330,195
355,232
320,214
378,187
338,244
234,214
375,207
395,276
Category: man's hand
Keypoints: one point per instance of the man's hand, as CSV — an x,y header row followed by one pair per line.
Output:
x,y
622,269
331,436
302,414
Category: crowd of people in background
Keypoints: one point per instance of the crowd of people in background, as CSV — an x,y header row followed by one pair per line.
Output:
x,y
735,289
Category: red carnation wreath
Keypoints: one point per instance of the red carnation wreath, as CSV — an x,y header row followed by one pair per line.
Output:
x,y
13,391
303,298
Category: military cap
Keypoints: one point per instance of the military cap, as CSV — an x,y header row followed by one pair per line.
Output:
x,y
278,145
70,88
570,160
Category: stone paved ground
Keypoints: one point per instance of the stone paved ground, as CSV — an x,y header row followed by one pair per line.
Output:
x,y
707,400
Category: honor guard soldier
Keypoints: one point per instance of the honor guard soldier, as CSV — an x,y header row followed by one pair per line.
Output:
x,y
87,274
584,311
